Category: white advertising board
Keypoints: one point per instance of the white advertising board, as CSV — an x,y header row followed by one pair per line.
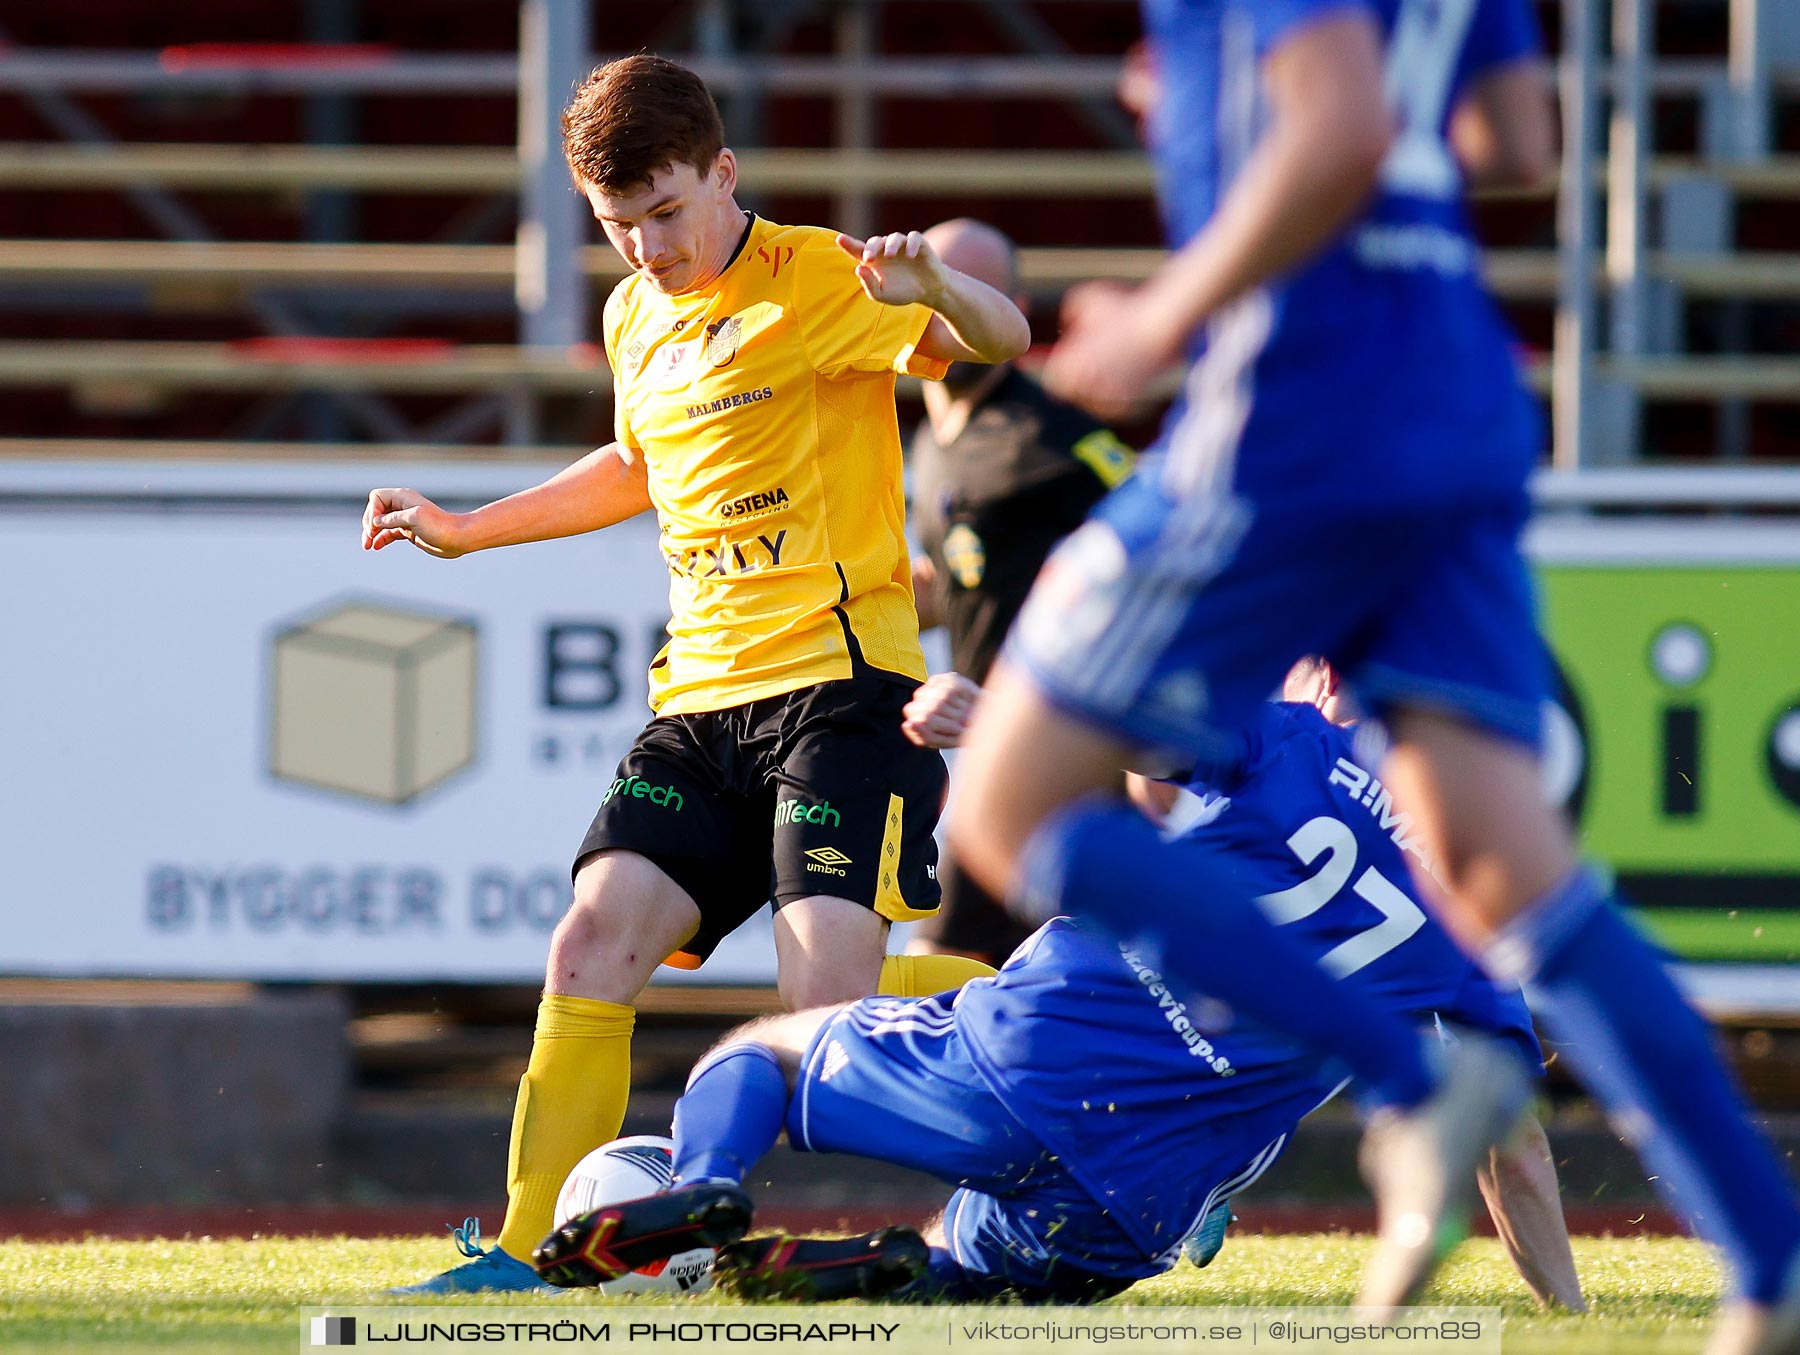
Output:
x,y
237,745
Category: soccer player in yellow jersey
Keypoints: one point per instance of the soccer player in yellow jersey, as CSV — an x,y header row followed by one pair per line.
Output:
x,y
753,369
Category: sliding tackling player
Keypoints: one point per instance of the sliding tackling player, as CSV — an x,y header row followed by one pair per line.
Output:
x,y
1091,1119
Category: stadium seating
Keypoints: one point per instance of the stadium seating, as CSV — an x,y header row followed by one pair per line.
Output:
x,y
170,315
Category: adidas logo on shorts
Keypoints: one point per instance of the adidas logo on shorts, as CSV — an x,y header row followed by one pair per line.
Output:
x,y
836,1056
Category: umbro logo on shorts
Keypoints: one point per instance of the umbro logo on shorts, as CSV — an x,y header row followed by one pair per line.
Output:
x,y
827,861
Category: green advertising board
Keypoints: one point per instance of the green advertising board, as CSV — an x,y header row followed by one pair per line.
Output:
x,y
1679,653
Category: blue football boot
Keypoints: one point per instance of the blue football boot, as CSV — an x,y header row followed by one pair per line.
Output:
x,y
1205,1241
485,1272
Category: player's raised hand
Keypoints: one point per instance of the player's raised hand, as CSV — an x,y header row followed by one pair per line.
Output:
x,y
897,269
940,710
407,515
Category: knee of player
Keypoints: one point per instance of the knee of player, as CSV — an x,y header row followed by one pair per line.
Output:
x,y
600,927
620,926
785,1038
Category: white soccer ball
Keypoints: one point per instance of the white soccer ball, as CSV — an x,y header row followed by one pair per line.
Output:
x,y
627,1169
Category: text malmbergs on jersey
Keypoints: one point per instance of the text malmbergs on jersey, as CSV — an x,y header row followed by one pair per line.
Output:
x,y
736,400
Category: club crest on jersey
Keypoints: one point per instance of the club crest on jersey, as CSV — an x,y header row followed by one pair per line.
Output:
x,y
965,555
722,340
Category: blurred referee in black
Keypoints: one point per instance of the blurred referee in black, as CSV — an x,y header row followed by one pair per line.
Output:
x,y
1002,471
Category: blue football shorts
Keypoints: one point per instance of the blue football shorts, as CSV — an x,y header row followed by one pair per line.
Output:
x,y
1159,620
890,1079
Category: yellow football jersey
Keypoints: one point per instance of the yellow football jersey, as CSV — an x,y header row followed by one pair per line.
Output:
x,y
763,408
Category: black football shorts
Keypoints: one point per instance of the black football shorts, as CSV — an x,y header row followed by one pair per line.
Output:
x,y
814,791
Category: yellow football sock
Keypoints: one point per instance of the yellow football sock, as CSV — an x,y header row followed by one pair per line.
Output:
x,y
571,1100
923,975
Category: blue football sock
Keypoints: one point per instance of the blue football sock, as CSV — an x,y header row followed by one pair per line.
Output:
x,y
730,1114
1188,907
945,1281
1651,1061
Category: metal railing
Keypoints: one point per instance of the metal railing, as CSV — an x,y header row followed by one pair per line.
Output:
x,y
890,173
373,71
1598,418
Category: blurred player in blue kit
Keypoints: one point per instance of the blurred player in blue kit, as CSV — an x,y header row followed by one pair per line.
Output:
x,y
1345,473
1091,1119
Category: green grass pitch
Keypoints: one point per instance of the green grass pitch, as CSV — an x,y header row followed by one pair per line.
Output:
x,y
1649,1296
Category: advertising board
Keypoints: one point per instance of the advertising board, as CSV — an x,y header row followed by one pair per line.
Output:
x,y
237,745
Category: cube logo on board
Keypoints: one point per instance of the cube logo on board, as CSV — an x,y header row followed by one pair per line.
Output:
x,y
373,700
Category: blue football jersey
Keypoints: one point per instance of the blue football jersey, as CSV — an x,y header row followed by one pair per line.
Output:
x,y
1387,337
1151,1096
1335,860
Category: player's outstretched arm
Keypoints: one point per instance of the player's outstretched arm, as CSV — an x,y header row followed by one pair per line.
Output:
x,y
602,488
974,322
1310,173
1520,1187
